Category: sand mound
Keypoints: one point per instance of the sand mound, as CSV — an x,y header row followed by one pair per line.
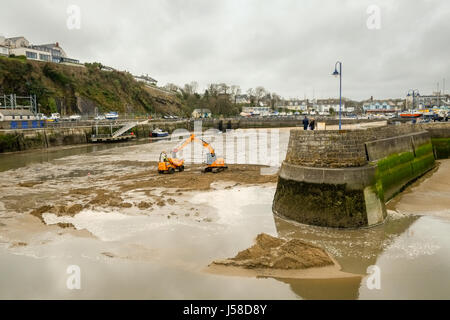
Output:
x,y
275,253
29,184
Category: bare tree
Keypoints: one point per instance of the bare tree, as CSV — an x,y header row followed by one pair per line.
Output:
x,y
190,88
251,96
223,88
171,87
260,92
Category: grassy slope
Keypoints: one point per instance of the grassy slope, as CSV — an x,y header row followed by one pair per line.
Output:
x,y
55,84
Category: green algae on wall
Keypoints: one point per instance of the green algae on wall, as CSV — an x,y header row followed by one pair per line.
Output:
x,y
441,147
397,170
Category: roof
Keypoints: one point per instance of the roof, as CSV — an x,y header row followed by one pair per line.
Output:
x,y
16,112
145,78
202,110
15,38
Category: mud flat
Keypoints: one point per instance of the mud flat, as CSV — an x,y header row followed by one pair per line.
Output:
x,y
279,258
430,195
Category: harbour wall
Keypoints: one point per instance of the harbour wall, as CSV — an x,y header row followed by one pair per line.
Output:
x,y
47,135
63,134
343,178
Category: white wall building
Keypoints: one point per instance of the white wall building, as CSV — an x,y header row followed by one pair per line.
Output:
x,y
16,114
262,111
4,51
146,79
51,52
201,113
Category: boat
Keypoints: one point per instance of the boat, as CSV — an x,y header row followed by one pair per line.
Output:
x,y
411,114
112,115
159,133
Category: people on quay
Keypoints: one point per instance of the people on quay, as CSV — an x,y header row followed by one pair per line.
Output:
x,y
312,124
305,123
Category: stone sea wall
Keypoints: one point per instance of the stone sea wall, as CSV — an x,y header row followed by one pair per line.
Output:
x,y
343,178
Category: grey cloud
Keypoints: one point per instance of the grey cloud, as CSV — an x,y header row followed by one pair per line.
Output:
x,y
288,46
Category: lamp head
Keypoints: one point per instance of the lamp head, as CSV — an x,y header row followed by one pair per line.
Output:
x,y
335,73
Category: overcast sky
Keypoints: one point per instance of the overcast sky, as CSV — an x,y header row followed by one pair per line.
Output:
x,y
287,46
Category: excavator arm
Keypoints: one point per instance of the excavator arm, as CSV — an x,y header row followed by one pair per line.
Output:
x,y
194,138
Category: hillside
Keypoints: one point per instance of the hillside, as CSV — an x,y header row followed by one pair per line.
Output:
x,y
77,89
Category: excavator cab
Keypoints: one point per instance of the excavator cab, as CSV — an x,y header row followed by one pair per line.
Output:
x,y
169,165
214,164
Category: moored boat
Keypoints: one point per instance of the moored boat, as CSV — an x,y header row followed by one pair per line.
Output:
x,y
159,133
411,114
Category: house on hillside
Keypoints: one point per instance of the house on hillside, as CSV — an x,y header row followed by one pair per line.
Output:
x,y
4,51
51,52
149,81
201,113
242,99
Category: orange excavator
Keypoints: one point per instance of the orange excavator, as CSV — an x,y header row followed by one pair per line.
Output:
x,y
213,163
169,165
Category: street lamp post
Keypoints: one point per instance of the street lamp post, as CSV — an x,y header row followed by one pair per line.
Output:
x,y
339,73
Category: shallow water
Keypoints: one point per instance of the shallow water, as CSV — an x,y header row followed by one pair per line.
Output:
x,y
125,253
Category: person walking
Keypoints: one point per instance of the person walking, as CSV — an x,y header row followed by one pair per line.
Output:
x,y
305,123
312,124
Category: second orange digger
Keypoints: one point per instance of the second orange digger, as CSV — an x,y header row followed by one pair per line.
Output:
x,y
214,164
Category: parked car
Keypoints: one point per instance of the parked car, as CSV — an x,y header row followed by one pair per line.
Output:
x,y
112,115
75,117
99,117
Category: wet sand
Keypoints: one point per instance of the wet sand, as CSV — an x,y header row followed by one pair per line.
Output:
x,y
275,257
143,235
430,195
329,272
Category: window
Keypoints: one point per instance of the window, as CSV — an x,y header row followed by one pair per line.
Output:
x,y
44,57
31,55
13,117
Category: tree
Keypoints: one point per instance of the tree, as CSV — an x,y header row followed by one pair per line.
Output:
x,y
190,88
260,92
235,91
251,96
223,88
171,87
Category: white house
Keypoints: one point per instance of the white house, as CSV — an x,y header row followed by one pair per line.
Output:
x,y
149,81
201,113
242,99
16,114
4,51
15,42
51,52
263,111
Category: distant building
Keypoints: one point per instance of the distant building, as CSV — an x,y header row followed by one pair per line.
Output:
x,y
16,114
201,113
52,52
146,80
242,99
325,106
15,42
4,51
429,101
380,107
106,68
257,111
